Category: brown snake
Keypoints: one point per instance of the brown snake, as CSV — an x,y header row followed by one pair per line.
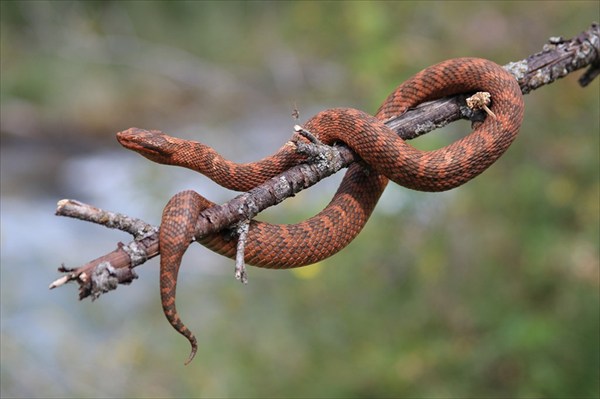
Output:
x,y
387,157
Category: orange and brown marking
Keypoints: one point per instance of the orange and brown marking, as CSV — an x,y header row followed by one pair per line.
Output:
x,y
389,157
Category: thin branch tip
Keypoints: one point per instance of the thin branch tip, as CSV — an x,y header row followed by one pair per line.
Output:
x,y
241,273
58,282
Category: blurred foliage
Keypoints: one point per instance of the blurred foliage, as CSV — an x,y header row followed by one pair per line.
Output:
x,y
491,290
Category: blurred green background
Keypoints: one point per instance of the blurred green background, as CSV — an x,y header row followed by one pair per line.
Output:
x,y
489,290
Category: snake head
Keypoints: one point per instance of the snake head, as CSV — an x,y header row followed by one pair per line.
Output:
x,y
152,144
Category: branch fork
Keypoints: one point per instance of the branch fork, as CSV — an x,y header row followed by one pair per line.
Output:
x,y
557,59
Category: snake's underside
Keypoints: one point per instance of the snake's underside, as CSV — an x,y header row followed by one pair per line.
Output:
x,y
386,154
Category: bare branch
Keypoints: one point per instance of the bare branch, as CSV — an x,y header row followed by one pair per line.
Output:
x,y
78,210
240,266
557,59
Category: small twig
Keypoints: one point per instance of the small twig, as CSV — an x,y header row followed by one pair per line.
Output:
x,y
481,100
317,152
240,266
308,135
113,220
63,280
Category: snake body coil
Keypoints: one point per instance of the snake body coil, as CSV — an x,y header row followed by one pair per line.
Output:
x,y
386,154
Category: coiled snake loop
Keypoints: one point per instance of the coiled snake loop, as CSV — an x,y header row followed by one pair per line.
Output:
x,y
387,155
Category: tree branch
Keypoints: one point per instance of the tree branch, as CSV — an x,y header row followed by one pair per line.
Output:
x,y
557,59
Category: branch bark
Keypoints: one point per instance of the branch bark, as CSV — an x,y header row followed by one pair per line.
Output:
x,y
558,58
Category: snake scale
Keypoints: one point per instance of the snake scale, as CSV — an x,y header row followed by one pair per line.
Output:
x,y
387,155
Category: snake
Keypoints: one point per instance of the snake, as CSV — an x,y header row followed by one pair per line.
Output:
x,y
385,156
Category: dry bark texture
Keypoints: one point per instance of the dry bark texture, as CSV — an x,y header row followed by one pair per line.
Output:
x,y
558,58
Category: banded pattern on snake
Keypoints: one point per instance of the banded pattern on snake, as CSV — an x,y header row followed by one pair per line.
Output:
x,y
387,157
